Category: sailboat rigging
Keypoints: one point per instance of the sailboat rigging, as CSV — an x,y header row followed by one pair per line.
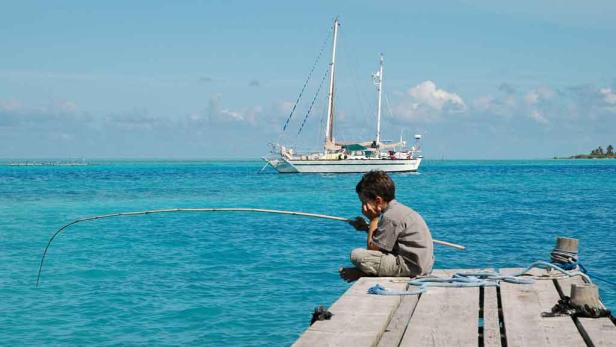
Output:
x,y
360,156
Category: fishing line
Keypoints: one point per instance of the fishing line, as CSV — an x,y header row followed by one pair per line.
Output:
x,y
224,209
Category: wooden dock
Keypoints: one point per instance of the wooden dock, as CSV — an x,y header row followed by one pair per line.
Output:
x,y
510,315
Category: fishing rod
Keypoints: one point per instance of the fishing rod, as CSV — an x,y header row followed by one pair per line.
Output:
x,y
213,209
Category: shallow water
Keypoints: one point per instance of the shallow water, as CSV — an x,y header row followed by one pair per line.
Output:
x,y
253,279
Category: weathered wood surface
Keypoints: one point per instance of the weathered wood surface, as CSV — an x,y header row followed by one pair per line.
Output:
x,y
456,312
600,331
397,326
456,317
522,308
491,322
359,319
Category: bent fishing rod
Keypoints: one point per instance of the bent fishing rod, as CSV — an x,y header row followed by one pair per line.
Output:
x,y
213,209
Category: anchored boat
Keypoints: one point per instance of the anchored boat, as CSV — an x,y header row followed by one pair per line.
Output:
x,y
360,156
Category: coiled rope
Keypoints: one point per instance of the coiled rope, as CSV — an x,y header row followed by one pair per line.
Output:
x,y
231,209
478,279
568,260
562,260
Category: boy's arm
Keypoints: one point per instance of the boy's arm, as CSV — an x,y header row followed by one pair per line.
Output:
x,y
374,222
374,216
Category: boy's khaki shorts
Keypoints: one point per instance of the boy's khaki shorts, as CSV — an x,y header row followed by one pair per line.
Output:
x,y
377,263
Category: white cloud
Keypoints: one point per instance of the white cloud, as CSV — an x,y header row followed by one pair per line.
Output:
x,y
538,95
539,101
15,113
285,106
426,93
230,115
503,111
268,117
9,105
136,119
216,114
538,117
483,103
531,98
608,95
545,105
503,106
66,106
426,102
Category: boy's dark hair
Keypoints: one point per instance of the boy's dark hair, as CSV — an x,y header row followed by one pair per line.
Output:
x,y
376,183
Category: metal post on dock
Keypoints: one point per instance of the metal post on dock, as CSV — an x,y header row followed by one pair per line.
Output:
x,y
582,295
585,295
567,244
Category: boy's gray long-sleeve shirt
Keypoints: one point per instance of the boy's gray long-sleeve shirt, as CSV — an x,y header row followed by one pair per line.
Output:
x,y
404,233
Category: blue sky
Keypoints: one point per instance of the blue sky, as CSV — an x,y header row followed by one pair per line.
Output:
x,y
217,79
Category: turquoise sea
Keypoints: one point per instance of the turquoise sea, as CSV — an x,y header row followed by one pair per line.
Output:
x,y
246,279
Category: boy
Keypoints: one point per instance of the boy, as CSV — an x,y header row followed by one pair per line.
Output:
x,y
399,242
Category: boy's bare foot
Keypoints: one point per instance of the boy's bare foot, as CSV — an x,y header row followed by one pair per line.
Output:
x,y
350,274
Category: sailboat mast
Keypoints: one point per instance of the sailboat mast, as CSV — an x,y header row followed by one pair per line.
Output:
x,y
329,128
379,86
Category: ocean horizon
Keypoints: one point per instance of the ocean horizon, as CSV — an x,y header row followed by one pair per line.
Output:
x,y
248,279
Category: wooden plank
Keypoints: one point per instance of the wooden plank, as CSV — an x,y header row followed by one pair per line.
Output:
x,y
449,316
522,308
348,338
491,324
359,318
397,325
444,317
601,331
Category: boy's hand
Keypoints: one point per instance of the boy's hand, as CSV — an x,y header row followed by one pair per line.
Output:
x,y
371,212
359,223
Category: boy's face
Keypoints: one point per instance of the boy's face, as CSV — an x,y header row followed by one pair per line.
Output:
x,y
371,207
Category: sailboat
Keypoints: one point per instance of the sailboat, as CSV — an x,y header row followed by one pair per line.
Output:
x,y
359,156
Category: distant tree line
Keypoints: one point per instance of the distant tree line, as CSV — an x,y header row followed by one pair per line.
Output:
x,y
597,153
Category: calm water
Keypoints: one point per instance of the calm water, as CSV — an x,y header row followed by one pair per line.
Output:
x,y
253,279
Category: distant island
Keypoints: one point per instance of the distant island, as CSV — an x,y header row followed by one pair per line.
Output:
x,y
597,153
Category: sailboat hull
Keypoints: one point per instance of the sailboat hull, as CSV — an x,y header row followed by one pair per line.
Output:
x,y
344,165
